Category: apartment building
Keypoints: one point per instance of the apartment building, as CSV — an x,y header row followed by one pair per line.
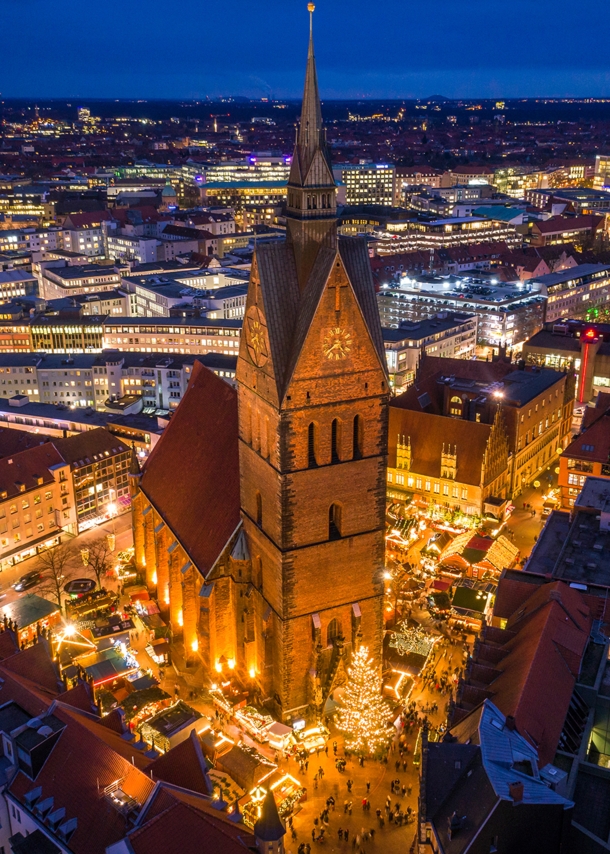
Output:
x,y
574,292
36,501
84,380
57,279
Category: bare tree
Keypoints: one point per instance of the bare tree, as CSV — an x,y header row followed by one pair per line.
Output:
x,y
99,559
57,566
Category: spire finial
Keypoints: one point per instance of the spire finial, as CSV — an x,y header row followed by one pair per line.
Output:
x,y
311,8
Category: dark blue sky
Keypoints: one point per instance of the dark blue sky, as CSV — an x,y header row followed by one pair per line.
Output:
x,y
386,48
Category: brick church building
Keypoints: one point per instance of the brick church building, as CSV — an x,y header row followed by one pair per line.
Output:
x,y
259,517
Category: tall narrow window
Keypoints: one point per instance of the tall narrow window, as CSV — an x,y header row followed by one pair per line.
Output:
x,y
311,446
358,437
334,522
335,438
333,632
259,510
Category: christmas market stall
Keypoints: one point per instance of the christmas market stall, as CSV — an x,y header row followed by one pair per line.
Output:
x,y
229,696
214,742
254,722
405,654
470,605
246,766
287,790
171,726
312,738
30,616
478,556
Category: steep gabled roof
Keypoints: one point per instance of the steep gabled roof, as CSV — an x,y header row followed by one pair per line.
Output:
x,y
192,475
428,433
184,765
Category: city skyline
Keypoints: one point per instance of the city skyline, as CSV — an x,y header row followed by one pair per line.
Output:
x,y
483,51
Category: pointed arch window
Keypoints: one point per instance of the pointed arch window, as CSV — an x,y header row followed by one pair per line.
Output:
x,y
358,437
334,522
312,443
335,440
333,632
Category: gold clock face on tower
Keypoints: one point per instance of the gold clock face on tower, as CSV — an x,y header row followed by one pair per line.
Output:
x,y
337,343
256,336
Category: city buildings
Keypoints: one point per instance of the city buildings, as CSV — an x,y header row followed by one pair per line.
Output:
x,y
588,454
445,335
535,404
487,778
57,486
574,345
367,183
574,292
433,233
57,279
88,380
508,314
579,230
17,283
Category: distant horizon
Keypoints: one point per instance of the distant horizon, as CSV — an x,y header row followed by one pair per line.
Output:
x,y
219,99
394,51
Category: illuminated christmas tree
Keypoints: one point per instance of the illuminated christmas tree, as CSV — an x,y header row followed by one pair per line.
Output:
x,y
363,713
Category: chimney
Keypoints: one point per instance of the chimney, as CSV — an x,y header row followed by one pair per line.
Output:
x,y
510,723
515,790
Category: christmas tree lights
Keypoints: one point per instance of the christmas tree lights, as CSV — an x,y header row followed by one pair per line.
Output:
x,y
363,713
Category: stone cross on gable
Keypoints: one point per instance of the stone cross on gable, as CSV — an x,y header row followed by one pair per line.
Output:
x,y
337,284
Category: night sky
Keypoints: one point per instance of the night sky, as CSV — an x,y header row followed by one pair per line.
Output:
x,y
383,49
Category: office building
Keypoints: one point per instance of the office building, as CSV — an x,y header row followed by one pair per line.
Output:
x,y
257,167
57,279
445,335
581,231
367,183
508,314
574,345
17,283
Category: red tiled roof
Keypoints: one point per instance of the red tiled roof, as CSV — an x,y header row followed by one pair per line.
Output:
x,y
184,765
79,697
557,224
192,475
428,434
26,466
8,644
88,219
593,413
85,760
539,673
596,436
35,663
15,441
183,829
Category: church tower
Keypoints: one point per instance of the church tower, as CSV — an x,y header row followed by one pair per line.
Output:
x,y
312,401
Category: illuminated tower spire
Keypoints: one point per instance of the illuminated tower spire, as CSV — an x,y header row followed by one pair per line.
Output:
x,y
312,208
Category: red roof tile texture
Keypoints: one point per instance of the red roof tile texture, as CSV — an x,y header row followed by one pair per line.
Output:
x,y
544,656
192,476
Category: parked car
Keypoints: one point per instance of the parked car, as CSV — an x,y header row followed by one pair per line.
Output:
x,y
30,579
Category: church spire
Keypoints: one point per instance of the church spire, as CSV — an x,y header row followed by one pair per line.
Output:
x,y
310,135
312,208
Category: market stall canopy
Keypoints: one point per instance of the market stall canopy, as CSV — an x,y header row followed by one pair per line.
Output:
x,y
78,586
107,665
29,610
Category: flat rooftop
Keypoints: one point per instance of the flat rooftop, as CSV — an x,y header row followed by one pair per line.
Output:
x,y
426,328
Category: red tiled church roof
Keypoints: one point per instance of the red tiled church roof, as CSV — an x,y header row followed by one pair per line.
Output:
x,y
199,452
